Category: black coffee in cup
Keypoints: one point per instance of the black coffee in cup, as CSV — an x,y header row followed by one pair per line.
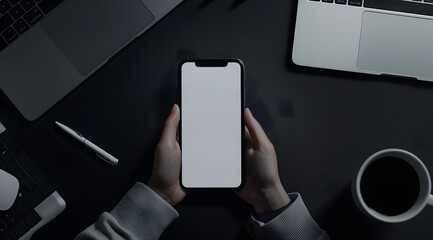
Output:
x,y
390,186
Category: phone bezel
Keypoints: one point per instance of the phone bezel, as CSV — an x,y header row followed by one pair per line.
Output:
x,y
215,63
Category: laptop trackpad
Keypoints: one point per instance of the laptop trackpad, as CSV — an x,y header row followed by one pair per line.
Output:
x,y
396,45
89,32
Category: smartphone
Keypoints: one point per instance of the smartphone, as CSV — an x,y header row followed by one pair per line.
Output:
x,y
212,124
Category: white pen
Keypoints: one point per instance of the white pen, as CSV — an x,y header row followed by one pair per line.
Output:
x,y
99,151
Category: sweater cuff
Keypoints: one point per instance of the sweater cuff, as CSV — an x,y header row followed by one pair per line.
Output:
x,y
143,212
293,223
269,216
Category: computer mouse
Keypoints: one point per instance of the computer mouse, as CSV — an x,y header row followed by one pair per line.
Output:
x,y
9,186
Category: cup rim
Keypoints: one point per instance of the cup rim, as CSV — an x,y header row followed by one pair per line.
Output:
x,y
420,202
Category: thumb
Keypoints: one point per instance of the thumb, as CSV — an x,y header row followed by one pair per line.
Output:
x,y
171,125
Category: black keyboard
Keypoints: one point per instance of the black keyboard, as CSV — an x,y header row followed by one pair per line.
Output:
x,y
34,189
17,16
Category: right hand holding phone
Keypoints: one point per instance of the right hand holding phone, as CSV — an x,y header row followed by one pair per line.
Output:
x,y
263,188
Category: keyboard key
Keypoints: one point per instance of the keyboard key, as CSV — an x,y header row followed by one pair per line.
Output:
x,y
429,1
5,154
341,1
4,6
21,26
32,169
10,218
47,5
19,229
26,180
10,35
3,227
29,201
27,4
357,3
5,21
3,45
20,194
33,16
17,11
328,1
31,219
13,2
8,236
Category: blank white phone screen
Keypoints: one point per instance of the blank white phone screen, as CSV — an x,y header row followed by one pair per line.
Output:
x,y
211,126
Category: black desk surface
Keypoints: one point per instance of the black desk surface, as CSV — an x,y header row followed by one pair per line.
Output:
x,y
323,124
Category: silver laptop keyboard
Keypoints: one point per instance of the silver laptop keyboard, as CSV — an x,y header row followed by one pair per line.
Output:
x,y
357,3
17,16
421,1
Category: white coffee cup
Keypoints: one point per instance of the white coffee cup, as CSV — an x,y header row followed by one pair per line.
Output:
x,y
424,196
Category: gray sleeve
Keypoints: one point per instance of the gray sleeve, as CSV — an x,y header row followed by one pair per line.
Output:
x,y
141,214
294,223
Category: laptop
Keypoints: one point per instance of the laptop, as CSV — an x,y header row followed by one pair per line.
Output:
x,y
382,37
48,47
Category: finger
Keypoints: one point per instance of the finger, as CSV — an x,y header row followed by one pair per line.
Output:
x,y
256,131
248,140
171,124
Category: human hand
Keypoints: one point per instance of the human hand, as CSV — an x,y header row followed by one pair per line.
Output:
x,y
166,166
263,188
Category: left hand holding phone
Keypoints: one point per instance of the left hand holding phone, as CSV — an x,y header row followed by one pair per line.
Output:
x,y
263,188
166,167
